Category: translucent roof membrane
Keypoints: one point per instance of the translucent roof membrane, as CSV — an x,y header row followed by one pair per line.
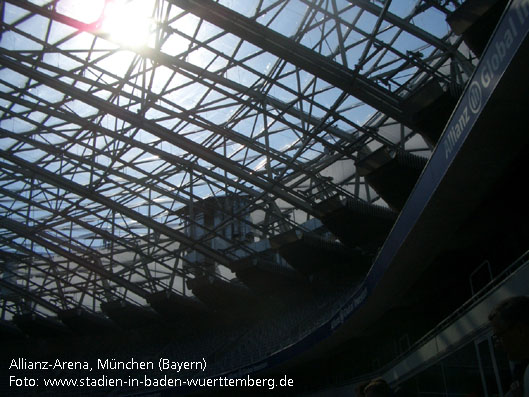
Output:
x,y
115,117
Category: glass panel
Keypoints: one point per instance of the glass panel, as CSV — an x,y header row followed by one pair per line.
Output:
x,y
461,371
430,382
456,375
504,369
488,369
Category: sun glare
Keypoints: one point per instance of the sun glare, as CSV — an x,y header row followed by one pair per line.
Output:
x,y
84,11
129,21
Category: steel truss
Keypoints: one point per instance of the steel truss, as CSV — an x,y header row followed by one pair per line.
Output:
x,y
273,101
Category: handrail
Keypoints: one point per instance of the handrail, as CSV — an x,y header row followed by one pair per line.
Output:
x,y
465,307
445,323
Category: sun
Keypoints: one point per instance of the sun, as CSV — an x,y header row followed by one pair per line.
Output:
x,y
129,22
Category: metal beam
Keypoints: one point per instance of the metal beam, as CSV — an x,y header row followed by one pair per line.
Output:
x,y
403,24
56,180
218,80
94,229
206,75
29,295
27,232
184,115
285,48
61,153
170,158
51,271
161,132
46,261
416,31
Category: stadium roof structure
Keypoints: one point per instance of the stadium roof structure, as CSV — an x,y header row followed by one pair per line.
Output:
x,y
116,116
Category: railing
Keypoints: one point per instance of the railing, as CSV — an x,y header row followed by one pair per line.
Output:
x,y
444,324
473,301
465,307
